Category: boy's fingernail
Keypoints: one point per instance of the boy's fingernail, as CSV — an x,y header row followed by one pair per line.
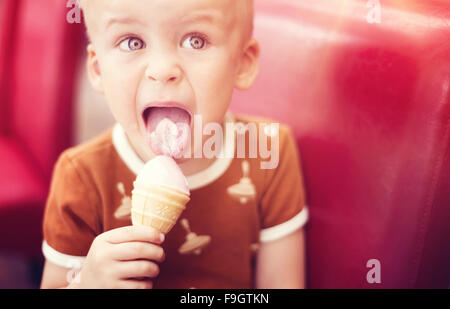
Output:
x,y
161,236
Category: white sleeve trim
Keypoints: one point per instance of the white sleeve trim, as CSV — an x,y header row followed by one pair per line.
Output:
x,y
286,228
61,259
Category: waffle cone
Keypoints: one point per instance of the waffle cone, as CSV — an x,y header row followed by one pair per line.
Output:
x,y
157,206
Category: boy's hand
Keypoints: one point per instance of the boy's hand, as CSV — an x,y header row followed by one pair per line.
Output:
x,y
122,258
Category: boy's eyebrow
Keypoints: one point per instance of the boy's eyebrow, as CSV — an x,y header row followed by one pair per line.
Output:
x,y
122,20
203,16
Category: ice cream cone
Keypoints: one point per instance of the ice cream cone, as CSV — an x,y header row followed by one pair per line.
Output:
x,y
157,206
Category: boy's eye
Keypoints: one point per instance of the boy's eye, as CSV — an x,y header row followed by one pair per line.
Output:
x,y
131,44
194,42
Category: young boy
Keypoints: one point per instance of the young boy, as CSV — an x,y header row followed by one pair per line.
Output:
x,y
243,225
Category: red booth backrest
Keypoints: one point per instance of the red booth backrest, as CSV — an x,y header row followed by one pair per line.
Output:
x,y
44,58
370,106
7,18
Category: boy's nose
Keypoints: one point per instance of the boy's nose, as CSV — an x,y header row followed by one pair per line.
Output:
x,y
163,70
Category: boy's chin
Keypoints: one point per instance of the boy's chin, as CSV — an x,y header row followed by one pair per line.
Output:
x,y
182,160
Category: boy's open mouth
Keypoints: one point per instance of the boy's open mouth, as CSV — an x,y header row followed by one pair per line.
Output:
x,y
168,129
154,114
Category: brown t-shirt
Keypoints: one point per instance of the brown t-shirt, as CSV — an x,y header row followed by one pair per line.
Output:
x,y
235,205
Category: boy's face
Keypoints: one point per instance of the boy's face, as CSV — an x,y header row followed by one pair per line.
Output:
x,y
192,53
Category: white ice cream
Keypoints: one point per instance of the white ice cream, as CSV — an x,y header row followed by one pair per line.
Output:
x,y
163,170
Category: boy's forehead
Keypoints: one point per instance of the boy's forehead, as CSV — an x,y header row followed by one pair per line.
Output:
x,y
165,4
103,10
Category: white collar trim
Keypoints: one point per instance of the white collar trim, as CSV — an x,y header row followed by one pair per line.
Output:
x,y
195,181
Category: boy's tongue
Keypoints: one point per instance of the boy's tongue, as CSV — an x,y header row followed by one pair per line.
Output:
x,y
168,130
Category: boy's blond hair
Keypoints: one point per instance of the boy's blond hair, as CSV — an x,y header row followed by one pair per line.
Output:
x,y
244,6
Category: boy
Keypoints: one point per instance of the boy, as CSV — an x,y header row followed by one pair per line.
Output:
x,y
242,228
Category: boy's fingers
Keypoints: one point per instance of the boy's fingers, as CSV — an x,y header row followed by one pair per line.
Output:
x,y
138,250
134,233
134,284
137,269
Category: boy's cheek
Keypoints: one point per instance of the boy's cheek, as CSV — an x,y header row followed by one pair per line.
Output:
x,y
121,112
118,83
215,101
121,102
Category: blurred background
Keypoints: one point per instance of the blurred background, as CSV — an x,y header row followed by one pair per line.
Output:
x,y
364,84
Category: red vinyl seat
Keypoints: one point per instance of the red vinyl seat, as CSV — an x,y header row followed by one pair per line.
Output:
x,y
22,193
39,53
369,104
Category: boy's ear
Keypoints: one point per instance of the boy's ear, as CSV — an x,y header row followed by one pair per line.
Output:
x,y
249,68
93,69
